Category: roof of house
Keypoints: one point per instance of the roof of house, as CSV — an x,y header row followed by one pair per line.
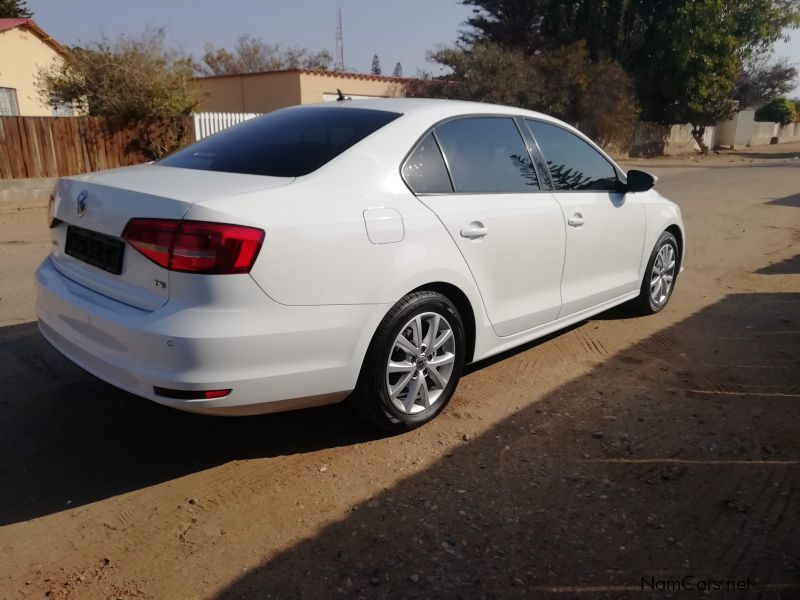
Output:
x,y
6,24
320,72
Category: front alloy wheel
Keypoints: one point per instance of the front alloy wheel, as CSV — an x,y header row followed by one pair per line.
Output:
x,y
660,275
413,363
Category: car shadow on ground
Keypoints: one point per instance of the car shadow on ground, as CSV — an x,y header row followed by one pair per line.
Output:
x,y
69,439
789,266
793,201
677,457
764,154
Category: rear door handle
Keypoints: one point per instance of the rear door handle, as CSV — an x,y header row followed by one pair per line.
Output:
x,y
575,220
474,230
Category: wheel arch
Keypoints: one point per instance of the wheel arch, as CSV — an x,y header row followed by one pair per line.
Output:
x,y
464,306
675,230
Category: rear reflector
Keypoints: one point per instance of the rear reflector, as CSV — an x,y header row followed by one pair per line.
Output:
x,y
51,213
195,246
190,394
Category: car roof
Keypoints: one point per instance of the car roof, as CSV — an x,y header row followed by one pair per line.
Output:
x,y
442,108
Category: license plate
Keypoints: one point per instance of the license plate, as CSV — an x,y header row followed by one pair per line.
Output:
x,y
97,249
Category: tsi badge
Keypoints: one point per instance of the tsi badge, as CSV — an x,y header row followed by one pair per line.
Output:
x,y
80,205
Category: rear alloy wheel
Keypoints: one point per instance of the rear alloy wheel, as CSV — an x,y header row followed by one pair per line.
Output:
x,y
660,275
413,364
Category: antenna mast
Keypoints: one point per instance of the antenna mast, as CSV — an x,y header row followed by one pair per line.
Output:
x,y
339,40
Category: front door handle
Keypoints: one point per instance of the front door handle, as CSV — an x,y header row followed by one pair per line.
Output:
x,y
474,230
575,220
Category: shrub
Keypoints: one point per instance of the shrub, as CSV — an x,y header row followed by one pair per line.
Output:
x,y
778,110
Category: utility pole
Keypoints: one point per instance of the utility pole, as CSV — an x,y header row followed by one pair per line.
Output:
x,y
339,40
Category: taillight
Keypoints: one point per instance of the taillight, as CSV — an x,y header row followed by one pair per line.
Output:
x,y
51,212
195,246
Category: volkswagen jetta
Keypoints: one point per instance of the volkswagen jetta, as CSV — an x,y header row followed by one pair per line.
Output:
x,y
361,250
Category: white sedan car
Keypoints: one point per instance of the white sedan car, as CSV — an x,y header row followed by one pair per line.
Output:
x,y
360,250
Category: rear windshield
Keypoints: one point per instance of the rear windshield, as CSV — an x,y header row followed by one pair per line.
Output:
x,y
285,143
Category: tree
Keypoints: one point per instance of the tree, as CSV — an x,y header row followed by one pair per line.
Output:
x,y
251,55
700,44
693,43
509,23
758,24
759,80
14,9
562,83
617,29
130,79
376,65
398,70
778,110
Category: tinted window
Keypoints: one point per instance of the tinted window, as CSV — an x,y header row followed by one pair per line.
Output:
x,y
573,164
424,170
286,143
487,154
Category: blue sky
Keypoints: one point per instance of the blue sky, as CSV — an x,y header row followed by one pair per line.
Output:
x,y
397,31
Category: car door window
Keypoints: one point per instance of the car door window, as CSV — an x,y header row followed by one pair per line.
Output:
x,y
487,154
573,164
424,171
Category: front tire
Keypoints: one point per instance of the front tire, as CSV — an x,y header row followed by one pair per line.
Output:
x,y
660,275
413,363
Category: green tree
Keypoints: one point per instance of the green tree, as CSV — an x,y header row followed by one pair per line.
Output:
x,y
376,65
617,29
14,9
693,43
509,23
614,29
778,110
701,45
251,55
398,70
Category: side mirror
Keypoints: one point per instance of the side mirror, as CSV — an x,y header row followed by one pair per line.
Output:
x,y
639,181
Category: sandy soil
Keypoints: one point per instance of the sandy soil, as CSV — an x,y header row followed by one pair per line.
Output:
x,y
620,454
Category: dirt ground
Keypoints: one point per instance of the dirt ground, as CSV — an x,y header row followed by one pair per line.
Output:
x,y
606,461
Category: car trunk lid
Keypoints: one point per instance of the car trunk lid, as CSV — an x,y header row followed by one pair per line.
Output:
x,y
103,203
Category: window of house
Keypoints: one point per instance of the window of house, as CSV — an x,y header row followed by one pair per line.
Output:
x,y
487,154
573,164
8,102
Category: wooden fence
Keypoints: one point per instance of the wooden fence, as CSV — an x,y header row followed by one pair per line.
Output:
x,y
57,146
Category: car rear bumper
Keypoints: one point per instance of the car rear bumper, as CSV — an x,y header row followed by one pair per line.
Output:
x,y
273,357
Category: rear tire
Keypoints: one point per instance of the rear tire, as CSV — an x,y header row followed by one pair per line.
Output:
x,y
660,275
413,363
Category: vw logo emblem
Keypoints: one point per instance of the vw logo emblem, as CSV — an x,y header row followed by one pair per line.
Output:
x,y
80,206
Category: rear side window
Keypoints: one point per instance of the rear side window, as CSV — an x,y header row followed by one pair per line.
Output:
x,y
285,143
487,154
425,171
573,164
